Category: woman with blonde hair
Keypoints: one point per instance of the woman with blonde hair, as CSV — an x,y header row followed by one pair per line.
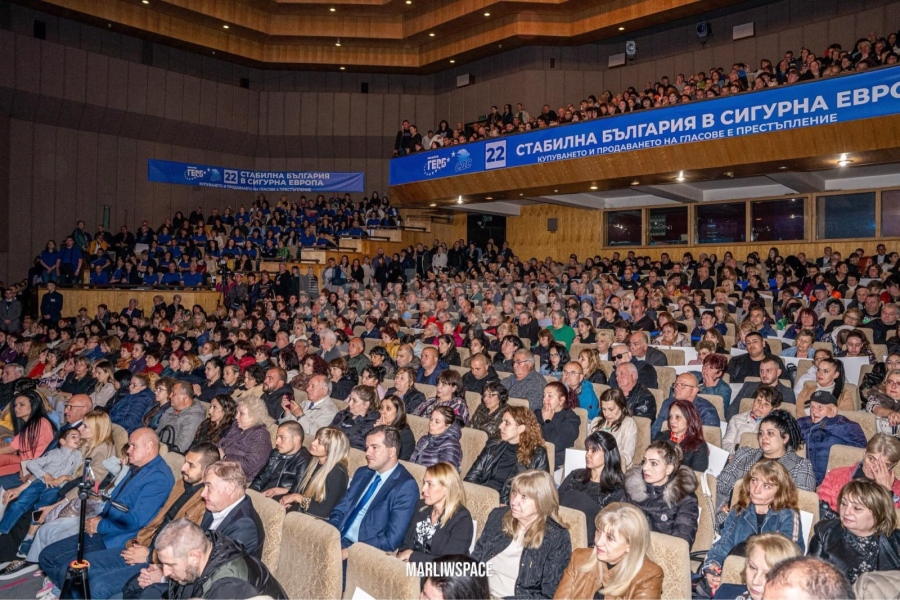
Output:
x,y
248,441
97,442
590,364
767,503
617,566
764,551
441,523
521,448
326,479
525,542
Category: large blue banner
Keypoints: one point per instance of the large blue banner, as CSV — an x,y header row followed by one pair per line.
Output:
x,y
835,100
164,171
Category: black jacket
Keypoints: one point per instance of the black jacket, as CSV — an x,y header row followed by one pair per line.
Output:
x,y
411,399
671,508
470,384
356,428
646,374
230,573
242,525
282,471
541,569
454,537
407,443
642,403
485,465
561,431
828,543
336,483
341,389
274,400
655,357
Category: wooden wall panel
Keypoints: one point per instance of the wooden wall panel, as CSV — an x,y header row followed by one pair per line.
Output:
x,y
578,232
447,233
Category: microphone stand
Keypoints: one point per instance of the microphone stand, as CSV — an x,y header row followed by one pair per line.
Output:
x,y
77,574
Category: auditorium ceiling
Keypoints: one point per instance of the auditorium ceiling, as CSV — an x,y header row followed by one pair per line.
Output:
x,y
395,36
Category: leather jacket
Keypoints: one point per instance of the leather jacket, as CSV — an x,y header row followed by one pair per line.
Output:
x,y
282,471
828,543
486,464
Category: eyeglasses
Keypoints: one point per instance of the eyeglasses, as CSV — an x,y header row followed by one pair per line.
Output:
x,y
684,385
618,356
522,362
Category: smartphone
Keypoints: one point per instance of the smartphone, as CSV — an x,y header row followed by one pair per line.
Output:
x,y
36,515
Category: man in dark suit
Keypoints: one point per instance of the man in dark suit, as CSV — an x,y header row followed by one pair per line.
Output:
x,y
229,511
642,351
379,503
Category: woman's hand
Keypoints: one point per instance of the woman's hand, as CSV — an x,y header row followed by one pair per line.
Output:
x,y
404,555
10,495
289,499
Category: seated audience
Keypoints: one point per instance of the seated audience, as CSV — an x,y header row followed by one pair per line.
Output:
x,y
441,523
393,414
286,464
764,551
878,463
248,441
488,414
520,448
559,424
616,420
525,542
765,400
325,478
686,431
664,489
599,484
358,419
617,566
824,428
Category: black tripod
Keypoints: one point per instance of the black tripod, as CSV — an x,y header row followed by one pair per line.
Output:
x,y
77,574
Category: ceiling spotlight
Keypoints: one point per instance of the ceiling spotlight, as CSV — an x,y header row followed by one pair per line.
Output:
x,y
409,1
520,195
593,187
332,9
432,205
452,61
225,27
338,43
343,68
844,161
621,29
782,168
555,191
431,34
680,176
487,14
488,197
459,200
635,182
146,1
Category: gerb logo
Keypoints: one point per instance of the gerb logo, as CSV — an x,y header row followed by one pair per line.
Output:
x,y
433,164
463,160
194,173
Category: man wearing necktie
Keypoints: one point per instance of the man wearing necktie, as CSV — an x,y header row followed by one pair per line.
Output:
x,y
379,503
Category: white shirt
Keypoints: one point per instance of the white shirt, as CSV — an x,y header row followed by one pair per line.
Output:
x,y
218,517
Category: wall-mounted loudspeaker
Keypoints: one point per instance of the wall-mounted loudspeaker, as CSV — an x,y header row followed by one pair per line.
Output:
x,y
552,224
704,30
631,49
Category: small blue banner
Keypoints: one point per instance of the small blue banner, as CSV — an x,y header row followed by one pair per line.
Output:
x,y
164,171
873,93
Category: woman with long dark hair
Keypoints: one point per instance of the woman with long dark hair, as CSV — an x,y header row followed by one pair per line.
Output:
x,y
600,483
218,421
686,430
33,430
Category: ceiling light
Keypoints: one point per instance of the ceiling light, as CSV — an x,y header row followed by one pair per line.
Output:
x,y
782,168
432,205
343,68
146,1
555,191
409,1
338,43
520,195
593,187
635,182
224,26
621,29
332,9
487,14
431,34
452,61
459,200
844,161
680,176
488,197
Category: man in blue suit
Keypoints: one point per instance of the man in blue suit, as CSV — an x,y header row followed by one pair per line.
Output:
x,y
143,491
378,506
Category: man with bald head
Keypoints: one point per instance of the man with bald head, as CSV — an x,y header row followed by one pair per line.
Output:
x,y
480,373
641,401
143,491
355,357
76,407
432,366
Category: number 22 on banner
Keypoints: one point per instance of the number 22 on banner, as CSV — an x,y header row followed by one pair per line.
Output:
x,y
495,155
